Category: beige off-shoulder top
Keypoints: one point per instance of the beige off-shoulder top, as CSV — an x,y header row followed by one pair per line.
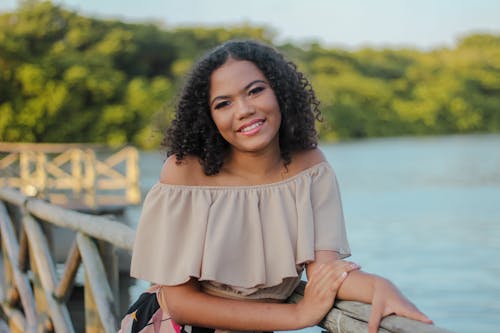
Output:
x,y
240,241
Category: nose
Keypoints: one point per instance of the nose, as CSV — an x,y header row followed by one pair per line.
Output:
x,y
244,108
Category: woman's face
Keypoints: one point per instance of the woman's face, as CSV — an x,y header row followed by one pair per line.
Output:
x,y
244,107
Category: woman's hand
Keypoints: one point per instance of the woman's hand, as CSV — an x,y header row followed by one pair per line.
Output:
x,y
387,299
321,290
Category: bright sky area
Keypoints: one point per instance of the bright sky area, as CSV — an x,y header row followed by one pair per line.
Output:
x,y
423,24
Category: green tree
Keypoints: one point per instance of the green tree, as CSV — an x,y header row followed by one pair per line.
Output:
x,y
65,77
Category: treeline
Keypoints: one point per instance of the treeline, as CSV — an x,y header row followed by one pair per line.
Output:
x,y
65,77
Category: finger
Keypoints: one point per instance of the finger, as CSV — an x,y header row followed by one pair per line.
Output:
x,y
341,263
345,266
353,267
324,279
353,264
314,273
375,318
328,273
416,314
319,279
329,284
338,282
340,269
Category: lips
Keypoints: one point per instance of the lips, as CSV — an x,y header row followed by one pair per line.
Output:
x,y
251,126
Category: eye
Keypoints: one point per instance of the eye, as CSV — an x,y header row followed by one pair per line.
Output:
x,y
256,90
221,105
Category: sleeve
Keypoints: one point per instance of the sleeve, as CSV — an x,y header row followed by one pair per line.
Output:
x,y
224,236
170,237
329,226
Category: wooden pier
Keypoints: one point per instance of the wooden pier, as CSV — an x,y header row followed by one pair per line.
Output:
x,y
90,178
34,297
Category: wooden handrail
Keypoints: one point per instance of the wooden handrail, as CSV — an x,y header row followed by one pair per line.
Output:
x,y
345,316
352,317
99,227
16,147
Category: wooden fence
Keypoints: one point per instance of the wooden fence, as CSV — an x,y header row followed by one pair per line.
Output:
x,y
34,297
77,176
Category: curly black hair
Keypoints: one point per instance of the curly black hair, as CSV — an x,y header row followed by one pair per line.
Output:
x,y
193,132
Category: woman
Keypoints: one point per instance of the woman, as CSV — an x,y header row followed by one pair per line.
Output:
x,y
245,202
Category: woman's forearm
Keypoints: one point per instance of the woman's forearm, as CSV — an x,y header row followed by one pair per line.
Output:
x,y
188,305
382,294
358,286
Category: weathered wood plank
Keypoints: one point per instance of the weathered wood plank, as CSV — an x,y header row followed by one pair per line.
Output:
x,y
17,321
101,291
12,196
63,290
392,323
6,283
45,266
98,227
103,228
21,280
48,147
42,308
109,258
3,327
23,252
348,316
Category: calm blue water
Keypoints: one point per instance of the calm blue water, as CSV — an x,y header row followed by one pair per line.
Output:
x,y
425,213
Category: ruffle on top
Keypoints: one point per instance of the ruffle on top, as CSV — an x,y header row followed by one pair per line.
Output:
x,y
246,237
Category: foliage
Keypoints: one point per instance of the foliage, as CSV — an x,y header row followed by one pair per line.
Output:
x,y
69,78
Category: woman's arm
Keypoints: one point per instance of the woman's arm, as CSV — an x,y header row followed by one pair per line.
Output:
x,y
187,304
385,298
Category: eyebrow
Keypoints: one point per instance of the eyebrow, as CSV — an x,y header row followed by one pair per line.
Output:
x,y
244,88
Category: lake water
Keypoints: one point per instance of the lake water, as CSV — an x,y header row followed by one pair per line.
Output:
x,y
423,212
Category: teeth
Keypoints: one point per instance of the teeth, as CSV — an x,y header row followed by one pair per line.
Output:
x,y
251,127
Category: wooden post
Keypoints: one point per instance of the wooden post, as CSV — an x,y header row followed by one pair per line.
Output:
x,y
92,321
76,171
109,258
100,299
7,168
15,279
24,171
39,294
41,173
8,278
23,252
42,262
17,322
66,283
90,178
133,193
15,326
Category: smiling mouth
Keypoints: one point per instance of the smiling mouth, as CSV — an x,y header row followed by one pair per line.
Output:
x,y
251,127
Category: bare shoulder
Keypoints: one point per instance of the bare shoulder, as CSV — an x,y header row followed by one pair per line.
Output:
x,y
187,171
306,159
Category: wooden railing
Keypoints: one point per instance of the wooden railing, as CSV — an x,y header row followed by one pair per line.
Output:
x,y
34,297
60,172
